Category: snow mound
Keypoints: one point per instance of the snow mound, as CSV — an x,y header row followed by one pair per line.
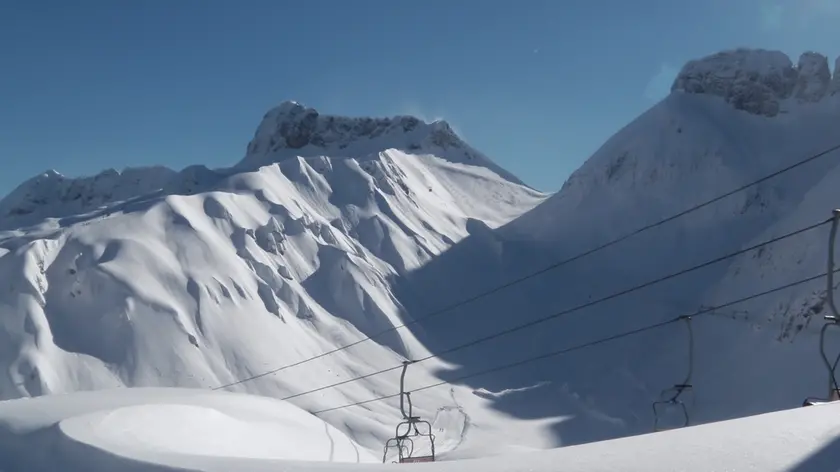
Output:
x,y
190,428
756,80
151,430
292,129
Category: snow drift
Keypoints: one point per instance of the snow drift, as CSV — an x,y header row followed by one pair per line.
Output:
x,y
114,429
164,430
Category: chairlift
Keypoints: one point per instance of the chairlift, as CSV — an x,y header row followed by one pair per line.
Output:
x,y
831,320
403,441
670,397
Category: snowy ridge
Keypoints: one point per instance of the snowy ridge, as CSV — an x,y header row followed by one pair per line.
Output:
x,y
53,195
288,131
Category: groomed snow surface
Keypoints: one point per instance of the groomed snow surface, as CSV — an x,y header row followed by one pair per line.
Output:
x,y
114,429
153,430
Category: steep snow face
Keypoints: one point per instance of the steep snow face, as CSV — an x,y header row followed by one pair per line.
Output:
x,y
292,130
687,149
757,81
221,275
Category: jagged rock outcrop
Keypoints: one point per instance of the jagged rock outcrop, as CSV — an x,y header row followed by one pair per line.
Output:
x,y
293,130
813,77
294,126
834,87
758,80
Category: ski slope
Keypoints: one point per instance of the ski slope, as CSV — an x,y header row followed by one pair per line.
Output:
x,y
147,430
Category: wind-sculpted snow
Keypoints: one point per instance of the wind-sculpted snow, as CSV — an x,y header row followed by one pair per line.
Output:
x,y
133,429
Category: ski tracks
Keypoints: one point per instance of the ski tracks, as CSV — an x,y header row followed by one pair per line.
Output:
x,y
450,426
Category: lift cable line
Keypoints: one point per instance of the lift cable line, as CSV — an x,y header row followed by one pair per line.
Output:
x,y
555,265
573,309
578,347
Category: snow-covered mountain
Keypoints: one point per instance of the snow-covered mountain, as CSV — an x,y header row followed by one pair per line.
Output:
x,y
731,118
332,228
203,277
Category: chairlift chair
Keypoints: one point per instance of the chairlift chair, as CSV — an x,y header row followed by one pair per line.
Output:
x,y
404,441
833,389
404,446
831,320
674,393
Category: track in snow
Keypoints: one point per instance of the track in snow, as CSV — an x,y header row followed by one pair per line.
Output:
x,y
450,427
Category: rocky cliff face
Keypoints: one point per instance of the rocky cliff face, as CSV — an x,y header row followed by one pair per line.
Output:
x,y
759,81
293,130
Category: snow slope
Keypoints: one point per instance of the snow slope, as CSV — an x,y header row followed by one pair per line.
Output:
x,y
204,277
732,118
160,430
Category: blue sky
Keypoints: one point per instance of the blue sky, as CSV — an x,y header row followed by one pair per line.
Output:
x,y
537,85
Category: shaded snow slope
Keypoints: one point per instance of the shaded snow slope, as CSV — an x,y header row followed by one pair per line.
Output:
x,y
147,430
220,275
685,150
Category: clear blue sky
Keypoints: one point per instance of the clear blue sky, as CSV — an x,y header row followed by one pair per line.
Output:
x,y
537,85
